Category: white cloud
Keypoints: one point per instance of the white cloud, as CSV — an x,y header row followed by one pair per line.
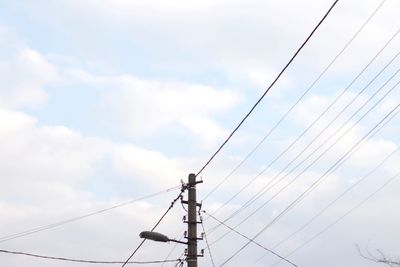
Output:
x,y
233,38
208,130
347,136
42,170
41,157
144,107
146,166
48,163
53,160
25,75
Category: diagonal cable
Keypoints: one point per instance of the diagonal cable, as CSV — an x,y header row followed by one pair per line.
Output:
x,y
250,240
267,187
290,109
208,245
313,123
155,226
77,218
343,216
269,87
387,118
80,260
330,204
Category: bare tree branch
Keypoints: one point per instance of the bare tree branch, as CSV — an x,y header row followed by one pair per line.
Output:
x,y
380,258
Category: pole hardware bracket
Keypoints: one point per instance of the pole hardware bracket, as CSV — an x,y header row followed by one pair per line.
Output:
x,y
191,256
193,184
187,203
186,221
195,238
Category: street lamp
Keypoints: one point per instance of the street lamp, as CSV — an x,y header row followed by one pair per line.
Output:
x,y
158,237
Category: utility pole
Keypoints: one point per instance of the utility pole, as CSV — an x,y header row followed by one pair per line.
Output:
x,y
190,219
192,222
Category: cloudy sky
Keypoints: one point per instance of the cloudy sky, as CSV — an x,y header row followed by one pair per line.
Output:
x,y
103,102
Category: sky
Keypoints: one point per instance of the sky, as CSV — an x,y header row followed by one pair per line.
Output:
x,y
104,102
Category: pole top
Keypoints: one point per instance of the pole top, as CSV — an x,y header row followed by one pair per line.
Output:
x,y
192,178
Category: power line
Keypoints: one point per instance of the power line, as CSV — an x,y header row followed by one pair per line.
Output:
x,y
256,196
183,188
80,260
290,109
343,216
313,123
173,247
340,196
269,87
388,117
330,204
267,187
249,239
182,259
73,219
245,219
205,237
263,191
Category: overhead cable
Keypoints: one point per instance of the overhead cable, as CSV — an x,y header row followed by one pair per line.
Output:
x,y
250,240
266,188
331,203
173,247
77,218
292,107
81,260
269,87
388,117
294,142
343,216
183,188
206,238
262,190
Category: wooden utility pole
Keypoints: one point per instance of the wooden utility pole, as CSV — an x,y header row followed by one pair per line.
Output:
x,y
192,222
